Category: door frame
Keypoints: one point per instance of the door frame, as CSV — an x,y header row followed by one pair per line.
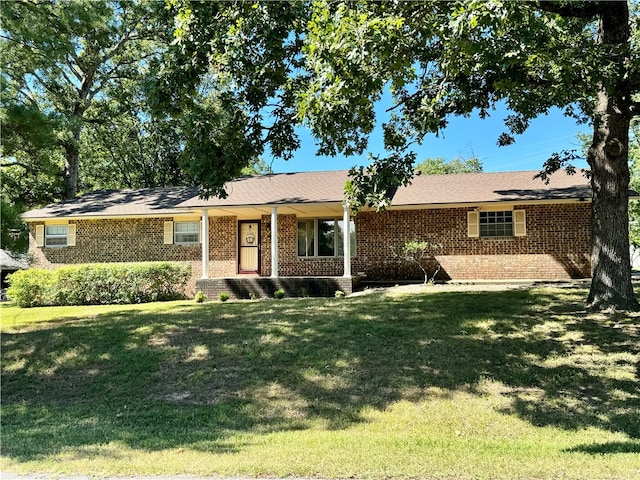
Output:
x,y
258,246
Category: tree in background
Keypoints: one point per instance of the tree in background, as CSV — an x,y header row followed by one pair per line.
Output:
x,y
634,207
14,235
326,65
59,59
439,166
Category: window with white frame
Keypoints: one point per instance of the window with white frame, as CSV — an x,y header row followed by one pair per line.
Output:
x,y
186,232
56,235
324,237
496,224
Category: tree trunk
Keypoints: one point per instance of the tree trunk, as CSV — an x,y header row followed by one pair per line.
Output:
x,y
72,155
70,173
611,286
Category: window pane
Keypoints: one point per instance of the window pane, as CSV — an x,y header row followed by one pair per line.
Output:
x,y
56,242
186,232
352,235
496,224
326,238
305,238
56,235
187,227
53,230
340,238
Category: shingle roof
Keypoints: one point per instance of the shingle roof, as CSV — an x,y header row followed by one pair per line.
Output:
x,y
321,187
152,201
491,187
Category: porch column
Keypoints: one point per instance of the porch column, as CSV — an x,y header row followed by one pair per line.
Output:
x,y
205,243
274,242
346,237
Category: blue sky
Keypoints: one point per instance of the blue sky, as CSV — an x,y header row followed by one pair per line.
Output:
x,y
462,137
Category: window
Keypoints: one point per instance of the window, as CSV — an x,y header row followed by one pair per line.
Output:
x,y
186,232
324,237
56,235
496,224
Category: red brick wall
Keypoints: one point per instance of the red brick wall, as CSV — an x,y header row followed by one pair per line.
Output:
x,y
557,245
114,241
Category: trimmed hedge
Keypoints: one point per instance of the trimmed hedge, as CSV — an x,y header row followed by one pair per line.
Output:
x,y
95,284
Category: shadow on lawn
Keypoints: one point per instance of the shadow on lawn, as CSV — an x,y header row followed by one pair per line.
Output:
x,y
193,376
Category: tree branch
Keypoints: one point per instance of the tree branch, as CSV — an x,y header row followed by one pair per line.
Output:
x,y
635,109
570,9
16,164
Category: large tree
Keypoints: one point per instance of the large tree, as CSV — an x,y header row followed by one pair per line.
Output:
x,y
326,64
59,58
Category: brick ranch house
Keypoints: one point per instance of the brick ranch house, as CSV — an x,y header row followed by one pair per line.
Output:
x,y
289,230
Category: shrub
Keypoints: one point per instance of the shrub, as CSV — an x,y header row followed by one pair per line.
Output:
x,y
339,294
31,288
223,297
200,297
94,284
279,293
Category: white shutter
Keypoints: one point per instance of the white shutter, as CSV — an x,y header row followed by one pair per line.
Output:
x,y
473,224
520,223
71,235
39,235
168,232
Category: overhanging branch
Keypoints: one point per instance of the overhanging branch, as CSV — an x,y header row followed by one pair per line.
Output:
x,y
570,9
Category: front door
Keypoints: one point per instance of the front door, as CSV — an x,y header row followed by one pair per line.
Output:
x,y
249,233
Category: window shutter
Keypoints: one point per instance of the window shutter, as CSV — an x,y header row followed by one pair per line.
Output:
x,y
168,232
39,235
473,224
71,235
519,223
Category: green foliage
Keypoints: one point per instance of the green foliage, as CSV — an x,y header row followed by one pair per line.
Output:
x,y
200,297
370,186
325,65
95,284
279,294
634,205
339,294
223,297
15,233
62,64
422,254
31,288
439,166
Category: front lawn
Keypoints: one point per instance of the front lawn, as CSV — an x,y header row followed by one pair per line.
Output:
x,y
520,384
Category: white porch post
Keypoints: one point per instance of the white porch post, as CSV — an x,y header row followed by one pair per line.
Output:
x,y
205,243
346,237
274,242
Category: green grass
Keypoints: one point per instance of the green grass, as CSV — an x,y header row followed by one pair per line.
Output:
x,y
478,385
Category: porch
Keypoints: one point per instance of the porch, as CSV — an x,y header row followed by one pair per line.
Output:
x,y
264,287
